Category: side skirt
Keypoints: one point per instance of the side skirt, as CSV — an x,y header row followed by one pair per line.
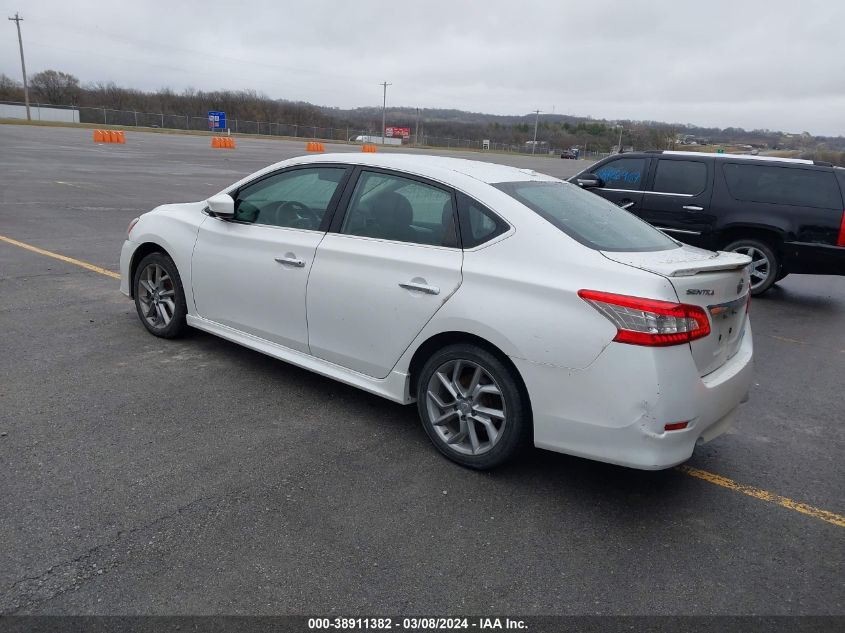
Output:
x,y
394,387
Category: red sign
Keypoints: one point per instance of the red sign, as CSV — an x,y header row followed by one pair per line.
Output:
x,y
397,132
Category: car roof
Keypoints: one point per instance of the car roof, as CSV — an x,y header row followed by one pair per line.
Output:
x,y
777,159
436,167
749,157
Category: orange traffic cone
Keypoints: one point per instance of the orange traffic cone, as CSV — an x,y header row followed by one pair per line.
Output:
x,y
98,136
121,137
215,141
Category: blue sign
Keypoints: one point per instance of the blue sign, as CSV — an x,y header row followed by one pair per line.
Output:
x,y
216,120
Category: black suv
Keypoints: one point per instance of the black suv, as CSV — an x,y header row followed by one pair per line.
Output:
x,y
787,214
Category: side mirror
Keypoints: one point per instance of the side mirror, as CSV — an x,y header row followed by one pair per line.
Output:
x,y
589,181
222,205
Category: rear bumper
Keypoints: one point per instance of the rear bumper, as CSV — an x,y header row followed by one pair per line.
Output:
x,y
814,259
615,409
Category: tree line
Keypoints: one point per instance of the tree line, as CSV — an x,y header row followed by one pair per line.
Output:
x,y
554,131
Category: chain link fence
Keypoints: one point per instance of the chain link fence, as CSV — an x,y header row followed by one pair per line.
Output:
x,y
159,120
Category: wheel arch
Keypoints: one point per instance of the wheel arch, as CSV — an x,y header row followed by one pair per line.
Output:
x,y
140,253
773,236
452,337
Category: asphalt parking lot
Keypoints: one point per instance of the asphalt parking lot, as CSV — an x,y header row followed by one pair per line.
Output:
x,y
144,476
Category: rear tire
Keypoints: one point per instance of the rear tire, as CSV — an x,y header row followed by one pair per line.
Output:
x,y
159,296
473,407
765,263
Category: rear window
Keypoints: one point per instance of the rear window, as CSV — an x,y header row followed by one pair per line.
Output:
x,y
680,176
587,218
783,185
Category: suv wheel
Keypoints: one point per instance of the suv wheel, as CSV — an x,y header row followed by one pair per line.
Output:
x,y
765,265
472,407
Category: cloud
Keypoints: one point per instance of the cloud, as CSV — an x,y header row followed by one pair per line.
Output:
x,y
755,64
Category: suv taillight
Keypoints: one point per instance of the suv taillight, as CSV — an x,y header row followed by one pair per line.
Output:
x,y
841,240
649,322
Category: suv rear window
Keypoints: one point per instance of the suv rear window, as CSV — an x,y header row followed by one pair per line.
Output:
x,y
586,217
783,185
680,176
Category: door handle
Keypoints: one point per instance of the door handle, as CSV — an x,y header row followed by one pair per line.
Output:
x,y
290,261
693,207
627,205
420,287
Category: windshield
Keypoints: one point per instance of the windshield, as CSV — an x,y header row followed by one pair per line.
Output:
x,y
586,217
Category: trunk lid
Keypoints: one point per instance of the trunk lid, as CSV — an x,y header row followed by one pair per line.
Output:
x,y
717,282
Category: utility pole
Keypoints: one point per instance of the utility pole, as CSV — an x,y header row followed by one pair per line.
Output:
x,y
384,110
17,20
536,121
620,139
417,131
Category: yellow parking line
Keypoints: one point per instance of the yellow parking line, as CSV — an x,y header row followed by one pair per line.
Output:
x,y
718,480
63,258
764,495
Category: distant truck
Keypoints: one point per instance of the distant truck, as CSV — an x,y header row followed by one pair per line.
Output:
x,y
378,140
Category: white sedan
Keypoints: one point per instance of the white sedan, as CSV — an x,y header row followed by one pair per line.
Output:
x,y
512,307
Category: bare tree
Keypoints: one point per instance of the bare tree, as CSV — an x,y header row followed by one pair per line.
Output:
x,y
10,90
56,87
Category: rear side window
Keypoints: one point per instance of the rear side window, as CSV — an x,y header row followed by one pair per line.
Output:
x,y
680,176
623,173
478,223
783,185
587,218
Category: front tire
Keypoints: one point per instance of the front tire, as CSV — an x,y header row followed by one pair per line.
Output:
x,y
159,296
473,407
765,263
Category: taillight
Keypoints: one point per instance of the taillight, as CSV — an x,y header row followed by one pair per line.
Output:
x,y
648,321
841,240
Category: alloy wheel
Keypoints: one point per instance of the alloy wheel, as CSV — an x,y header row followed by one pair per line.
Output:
x,y
466,407
761,267
157,296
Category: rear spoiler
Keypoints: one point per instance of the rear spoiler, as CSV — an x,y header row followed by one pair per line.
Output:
x,y
684,262
723,261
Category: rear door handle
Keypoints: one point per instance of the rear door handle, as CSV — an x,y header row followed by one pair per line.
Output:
x,y
693,207
290,261
627,205
420,287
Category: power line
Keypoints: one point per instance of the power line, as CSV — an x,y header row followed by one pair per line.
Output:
x,y
17,20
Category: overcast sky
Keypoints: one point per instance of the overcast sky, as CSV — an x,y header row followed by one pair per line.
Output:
x,y
746,63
